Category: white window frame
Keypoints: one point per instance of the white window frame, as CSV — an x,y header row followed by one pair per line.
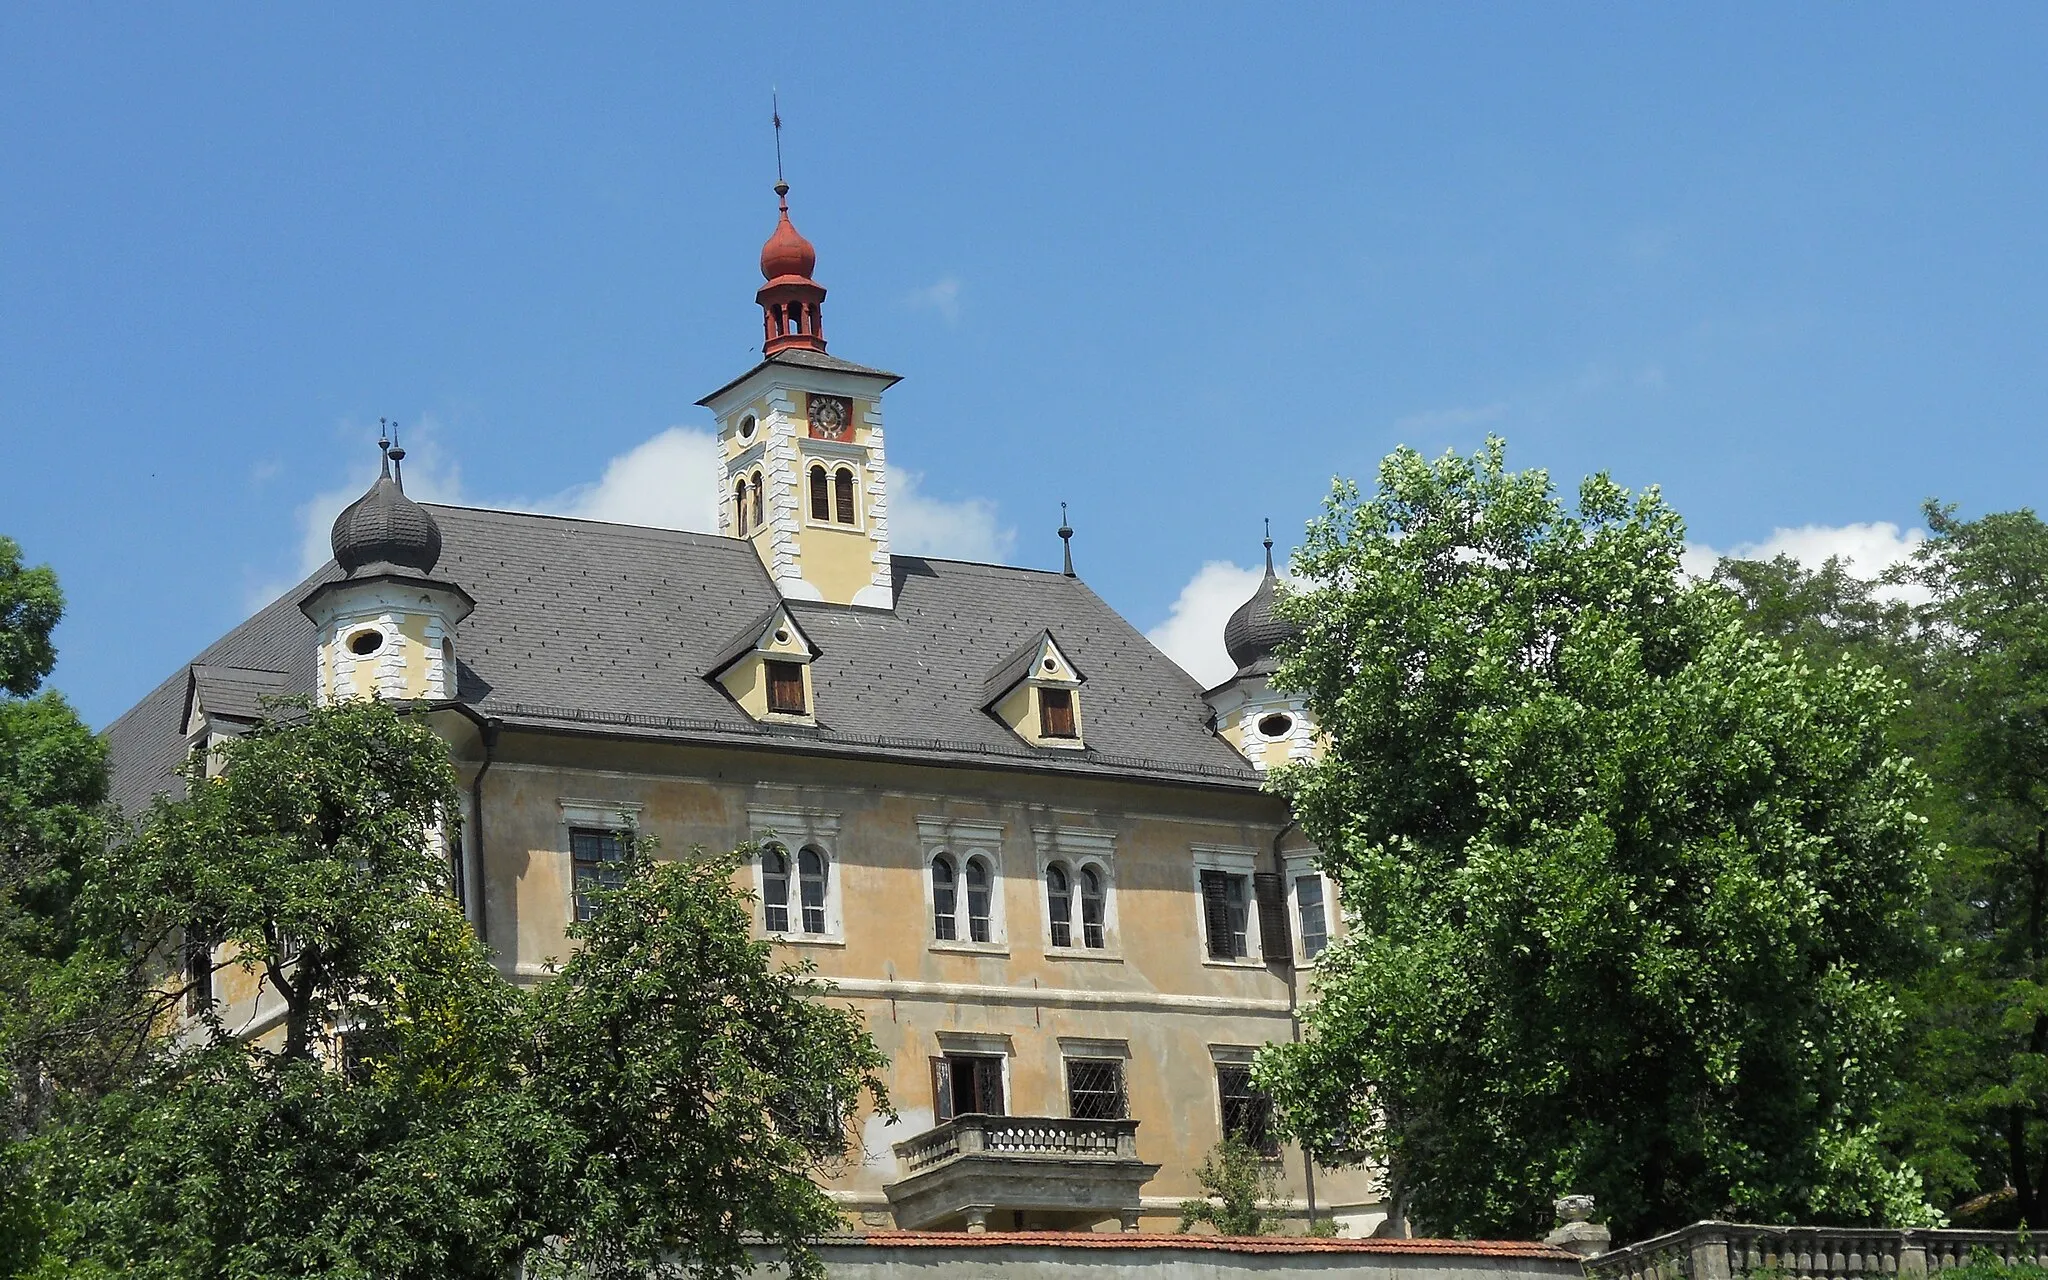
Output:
x,y
1237,861
1078,847
589,815
793,829
1300,865
960,839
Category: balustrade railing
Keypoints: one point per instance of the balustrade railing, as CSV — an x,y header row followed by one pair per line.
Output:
x,y
1021,1136
1732,1251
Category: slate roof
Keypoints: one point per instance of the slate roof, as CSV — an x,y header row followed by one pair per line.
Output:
x,y
613,629
235,693
805,359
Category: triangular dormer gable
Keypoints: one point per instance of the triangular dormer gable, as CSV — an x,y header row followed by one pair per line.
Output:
x,y
774,635
766,670
1040,661
1036,694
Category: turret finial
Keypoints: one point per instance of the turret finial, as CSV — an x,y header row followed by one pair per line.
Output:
x,y
383,448
1269,544
1066,541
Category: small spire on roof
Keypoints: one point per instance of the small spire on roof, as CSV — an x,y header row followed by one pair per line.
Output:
x,y
383,448
397,456
1269,544
1066,540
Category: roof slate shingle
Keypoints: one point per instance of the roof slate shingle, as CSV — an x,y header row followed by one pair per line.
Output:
x,y
616,628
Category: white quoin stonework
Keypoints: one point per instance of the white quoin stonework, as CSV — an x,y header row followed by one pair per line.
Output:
x,y
415,626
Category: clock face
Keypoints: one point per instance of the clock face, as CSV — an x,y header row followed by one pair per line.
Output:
x,y
831,417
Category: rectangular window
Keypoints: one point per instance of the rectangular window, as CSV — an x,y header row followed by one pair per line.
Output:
x,y
785,687
1223,914
1095,1089
198,973
1315,926
967,1084
1056,713
598,860
1247,1113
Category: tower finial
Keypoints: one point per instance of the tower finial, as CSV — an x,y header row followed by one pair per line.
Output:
x,y
775,114
397,455
1269,544
384,448
1066,541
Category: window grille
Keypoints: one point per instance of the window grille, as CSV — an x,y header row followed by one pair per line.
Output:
x,y
1056,713
1247,1113
1095,1089
1315,924
945,900
785,687
1059,899
1223,914
775,889
598,859
811,876
977,900
1091,908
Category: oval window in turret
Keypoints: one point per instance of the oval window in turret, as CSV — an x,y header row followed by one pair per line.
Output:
x,y
1277,725
366,642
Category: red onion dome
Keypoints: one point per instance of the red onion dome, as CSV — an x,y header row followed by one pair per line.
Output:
x,y
787,253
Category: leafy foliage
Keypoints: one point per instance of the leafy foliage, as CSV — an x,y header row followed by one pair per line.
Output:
x,y
1627,883
413,1114
1242,1187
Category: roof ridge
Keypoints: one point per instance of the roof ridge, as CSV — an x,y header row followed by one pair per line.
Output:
x,y
609,524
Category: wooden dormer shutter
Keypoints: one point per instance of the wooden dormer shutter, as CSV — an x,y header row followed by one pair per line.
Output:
x,y
785,687
1056,713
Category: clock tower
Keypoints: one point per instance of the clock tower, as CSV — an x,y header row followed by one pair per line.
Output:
x,y
801,469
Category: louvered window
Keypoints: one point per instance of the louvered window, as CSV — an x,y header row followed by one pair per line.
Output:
x,y
842,495
1056,713
821,507
1091,908
785,687
757,500
1270,888
739,507
598,859
1223,914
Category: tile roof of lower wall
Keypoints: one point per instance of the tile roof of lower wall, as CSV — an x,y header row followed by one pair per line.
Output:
x,y
611,629
1223,1244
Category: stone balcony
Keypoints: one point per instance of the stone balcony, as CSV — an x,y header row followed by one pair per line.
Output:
x,y
1057,1172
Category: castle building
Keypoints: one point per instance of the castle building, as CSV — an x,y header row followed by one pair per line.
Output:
x,y
1029,848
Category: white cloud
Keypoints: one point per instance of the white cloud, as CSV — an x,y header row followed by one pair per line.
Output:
x,y
1192,634
942,296
668,482
1866,549
962,530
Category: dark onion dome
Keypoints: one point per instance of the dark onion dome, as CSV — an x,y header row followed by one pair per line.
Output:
x,y
384,528
1255,631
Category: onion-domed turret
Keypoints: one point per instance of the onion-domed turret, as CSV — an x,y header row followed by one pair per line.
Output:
x,y
386,529
787,253
1254,632
792,304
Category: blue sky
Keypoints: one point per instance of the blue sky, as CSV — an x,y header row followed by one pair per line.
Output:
x,y
1177,265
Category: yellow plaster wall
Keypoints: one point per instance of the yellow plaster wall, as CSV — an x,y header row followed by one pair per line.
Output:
x,y
1156,959
747,682
838,561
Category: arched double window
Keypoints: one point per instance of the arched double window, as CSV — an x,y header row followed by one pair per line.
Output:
x,y
1062,888
842,495
739,506
821,505
945,900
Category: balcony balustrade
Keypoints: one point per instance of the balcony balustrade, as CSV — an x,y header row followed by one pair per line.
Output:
x,y
1055,1169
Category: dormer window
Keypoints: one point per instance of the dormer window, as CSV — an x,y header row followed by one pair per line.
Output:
x,y
1056,713
785,687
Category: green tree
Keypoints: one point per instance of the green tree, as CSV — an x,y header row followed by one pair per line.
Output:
x,y
1628,885
411,1113
1975,1114
1242,1187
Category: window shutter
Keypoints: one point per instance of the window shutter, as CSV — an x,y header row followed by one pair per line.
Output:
x,y
1055,713
1216,914
842,496
786,687
820,507
942,1090
988,1085
1271,888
